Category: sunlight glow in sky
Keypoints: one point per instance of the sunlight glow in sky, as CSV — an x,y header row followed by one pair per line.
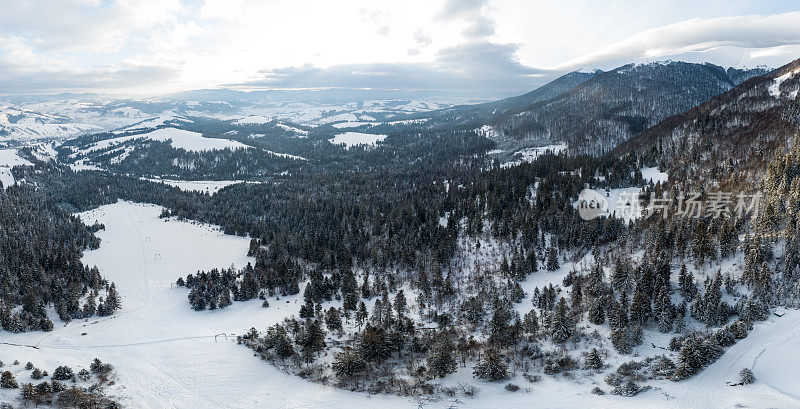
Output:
x,y
484,47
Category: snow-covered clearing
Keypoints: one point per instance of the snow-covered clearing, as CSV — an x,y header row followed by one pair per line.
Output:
x,y
81,164
154,122
350,139
623,203
169,356
8,159
342,125
203,186
530,154
285,155
654,175
253,119
775,88
178,138
299,132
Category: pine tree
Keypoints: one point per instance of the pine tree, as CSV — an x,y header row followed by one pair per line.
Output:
x,y
552,259
746,376
312,341
694,355
400,304
361,315
441,360
374,344
333,319
563,326
665,321
492,367
640,308
597,311
348,364
593,360
530,324
7,381
349,291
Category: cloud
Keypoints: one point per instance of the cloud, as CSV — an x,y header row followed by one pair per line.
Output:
x,y
125,78
480,27
86,26
698,36
475,69
458,8
474,13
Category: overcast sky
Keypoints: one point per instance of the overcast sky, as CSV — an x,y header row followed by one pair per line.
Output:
x,y
469,47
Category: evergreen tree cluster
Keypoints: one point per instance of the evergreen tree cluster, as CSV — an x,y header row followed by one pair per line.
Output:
x,y
40,250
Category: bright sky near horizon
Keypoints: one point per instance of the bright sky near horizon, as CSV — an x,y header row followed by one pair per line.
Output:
x,y
479,47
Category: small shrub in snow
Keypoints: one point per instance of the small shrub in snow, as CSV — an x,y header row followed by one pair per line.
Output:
x,y
597,391
663,367
99,367
531,378
57,386
512,387
63,373
614,379
84,375
628,389
37,374
29,366
468,390
551,366
630,368
746,376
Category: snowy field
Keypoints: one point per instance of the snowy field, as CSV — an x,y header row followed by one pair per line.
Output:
x,y
623,202
169,356
8,159
350,139
155,122
530,154
203,186
178,138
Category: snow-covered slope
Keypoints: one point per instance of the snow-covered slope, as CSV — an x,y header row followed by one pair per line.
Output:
x,y
167,355
350,139
178,138
8,159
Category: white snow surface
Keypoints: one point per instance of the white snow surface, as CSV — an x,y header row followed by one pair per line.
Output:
x,y
299,132
350,139
775,88
253,119
203,186
654,175
531,154
623,202
169,356
8,159
179,139
155,122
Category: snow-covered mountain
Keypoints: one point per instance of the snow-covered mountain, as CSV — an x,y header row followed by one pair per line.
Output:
x,y
25,121
733,135
613,106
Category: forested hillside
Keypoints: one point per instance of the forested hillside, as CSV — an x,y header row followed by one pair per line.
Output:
x,y
40,250
613,106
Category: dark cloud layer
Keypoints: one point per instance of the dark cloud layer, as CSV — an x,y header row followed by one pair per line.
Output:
x,y
474,69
